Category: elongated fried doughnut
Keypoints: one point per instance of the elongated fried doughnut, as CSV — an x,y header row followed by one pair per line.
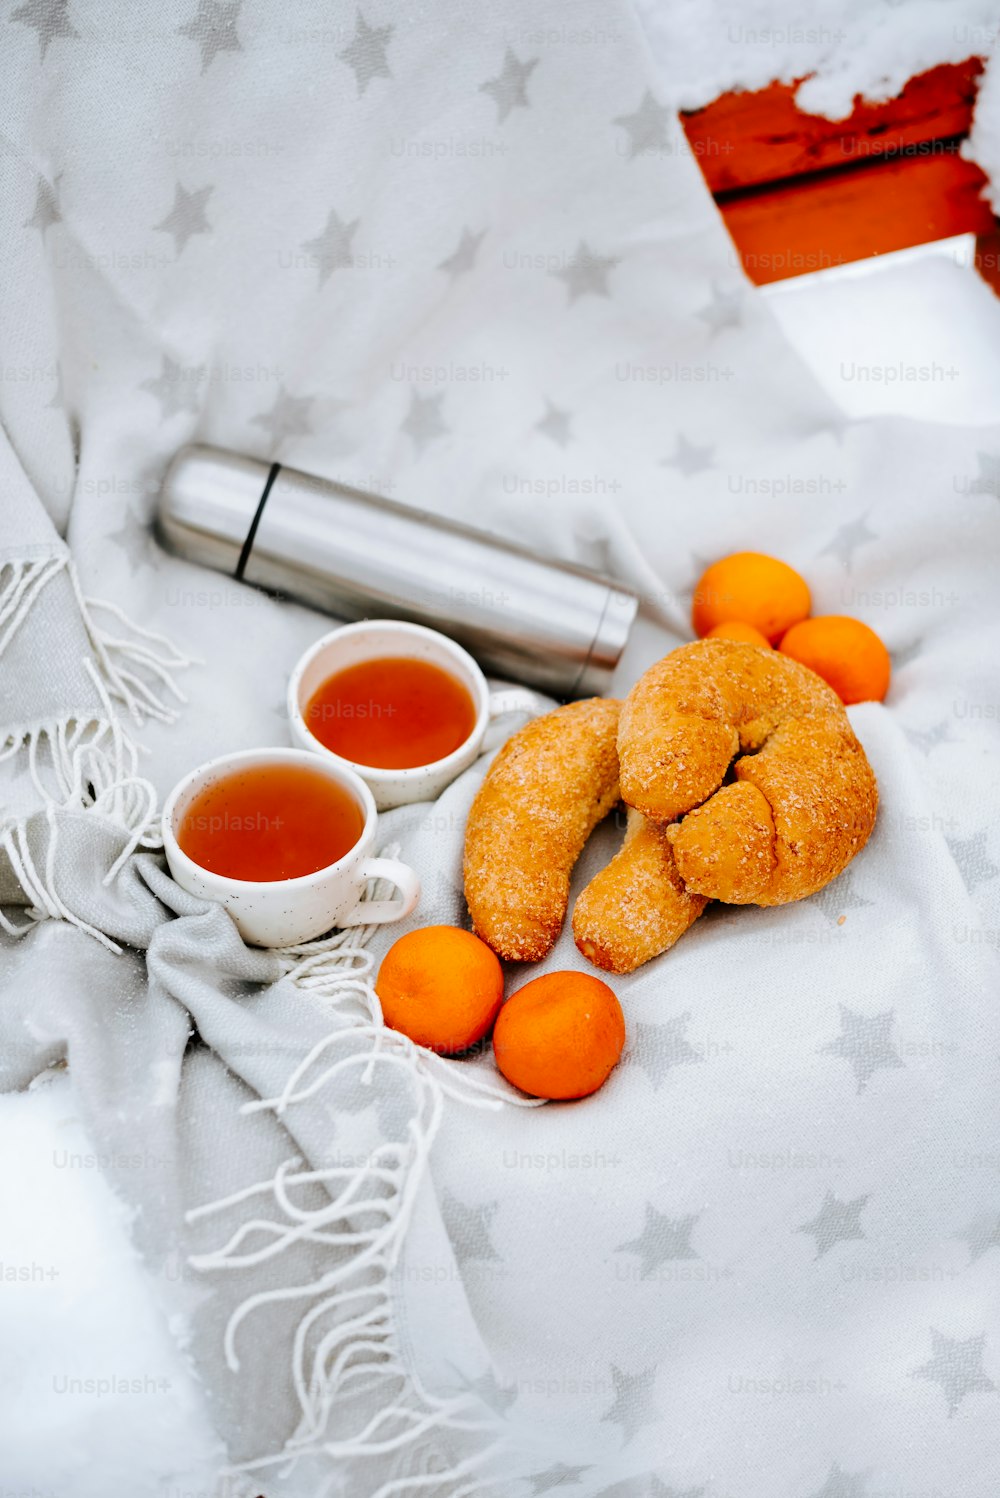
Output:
x,y
543,795
810,795
637,906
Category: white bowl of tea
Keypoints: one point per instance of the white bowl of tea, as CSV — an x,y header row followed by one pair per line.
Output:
x,y
402,705
284,841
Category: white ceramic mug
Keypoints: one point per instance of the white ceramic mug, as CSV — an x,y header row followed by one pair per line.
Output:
x,y
374,639
284,912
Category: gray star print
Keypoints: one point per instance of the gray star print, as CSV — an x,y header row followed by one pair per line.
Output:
x,y
842,1484
658,1048
557,1476
988,480
690,458
648,129
366,54
926,739
469,1228
331,250
424,421
288,417
586,272
187,216
336,440
905,654
864,1042
214,29
835,1222
839,896
973,861
725,310
957,1366
394,1108
633,1405
661,1238
847,540
594,552
175,388
133,538
982,1234
46,207
49,18
509,90
555,424
463,258
496,1396
837,426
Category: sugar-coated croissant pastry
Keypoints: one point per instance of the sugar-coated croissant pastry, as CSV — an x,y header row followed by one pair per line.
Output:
x,y
803,797
745,783
543,795
637,906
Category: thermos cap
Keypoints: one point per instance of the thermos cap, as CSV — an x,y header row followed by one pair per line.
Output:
x,y
356,555
208,504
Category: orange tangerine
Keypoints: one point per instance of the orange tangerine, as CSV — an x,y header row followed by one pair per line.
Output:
x,y
845,652
560,1035
440,986
753,589
735,629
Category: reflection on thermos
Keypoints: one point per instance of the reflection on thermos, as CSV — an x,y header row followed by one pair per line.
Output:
x,y
357,555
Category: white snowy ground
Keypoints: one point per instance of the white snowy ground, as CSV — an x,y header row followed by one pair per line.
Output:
x,y
75,1301
96,1400
702,48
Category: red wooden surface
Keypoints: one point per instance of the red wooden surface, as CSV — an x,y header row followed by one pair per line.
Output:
x,y
801,193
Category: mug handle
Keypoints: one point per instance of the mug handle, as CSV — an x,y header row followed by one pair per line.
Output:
x,y
377,912
512,700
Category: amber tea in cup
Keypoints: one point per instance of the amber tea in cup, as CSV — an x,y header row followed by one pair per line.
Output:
x,y
400,705
392,713
267,822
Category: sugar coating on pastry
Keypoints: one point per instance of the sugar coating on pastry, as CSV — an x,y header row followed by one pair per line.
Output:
x,y
728,844
543,795
637,906
811,796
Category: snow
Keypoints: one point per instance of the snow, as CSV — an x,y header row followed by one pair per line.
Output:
x,y
983,145
702,48
95,1396
840,48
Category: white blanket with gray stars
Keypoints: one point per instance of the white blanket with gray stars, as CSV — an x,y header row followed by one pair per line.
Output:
x,y
461,256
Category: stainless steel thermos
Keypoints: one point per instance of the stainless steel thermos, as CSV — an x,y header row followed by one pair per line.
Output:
x,y
356,555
